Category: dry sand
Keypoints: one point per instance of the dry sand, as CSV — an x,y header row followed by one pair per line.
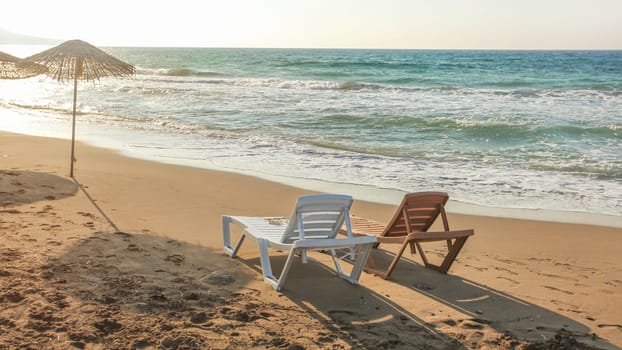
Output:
x,y
130,256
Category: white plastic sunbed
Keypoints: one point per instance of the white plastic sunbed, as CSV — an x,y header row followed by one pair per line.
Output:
x,y
314,224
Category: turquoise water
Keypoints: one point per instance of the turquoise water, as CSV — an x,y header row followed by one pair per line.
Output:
x,y
512,129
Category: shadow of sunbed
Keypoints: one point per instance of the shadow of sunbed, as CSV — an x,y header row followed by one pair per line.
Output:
x,y
356,314
485,305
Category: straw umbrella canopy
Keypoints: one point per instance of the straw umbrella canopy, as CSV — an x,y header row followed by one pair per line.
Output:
x,y
12,67
78,60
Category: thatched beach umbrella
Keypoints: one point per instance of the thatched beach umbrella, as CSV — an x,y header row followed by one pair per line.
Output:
x,y
12,67
78,60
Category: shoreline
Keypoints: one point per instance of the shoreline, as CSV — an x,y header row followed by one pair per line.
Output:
x,y
155,229
369,193
394,197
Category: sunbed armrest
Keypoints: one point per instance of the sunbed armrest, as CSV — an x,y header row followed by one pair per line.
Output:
x,y
427,236
440,235
395,240
335,243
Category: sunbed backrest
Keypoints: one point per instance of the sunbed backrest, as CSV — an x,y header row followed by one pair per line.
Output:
x,y
319,216
417,212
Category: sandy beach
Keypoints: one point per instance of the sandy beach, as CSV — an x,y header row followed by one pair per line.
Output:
x,y
129,255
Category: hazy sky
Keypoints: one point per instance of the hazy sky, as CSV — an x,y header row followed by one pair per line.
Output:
x,y
433,24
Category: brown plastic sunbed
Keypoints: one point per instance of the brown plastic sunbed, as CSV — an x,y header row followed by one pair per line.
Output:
x,y
409,227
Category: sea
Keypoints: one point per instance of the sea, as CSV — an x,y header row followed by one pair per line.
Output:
x,y
505,133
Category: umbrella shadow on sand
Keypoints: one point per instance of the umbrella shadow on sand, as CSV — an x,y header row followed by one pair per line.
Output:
x,y
137,290
95,205
23,187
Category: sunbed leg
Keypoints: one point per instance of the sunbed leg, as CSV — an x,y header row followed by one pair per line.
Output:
x,y
453,253
449,244
413,250
422,253
397,257
360,261
362,253
301,229
226,234
346,213
286,267
340,272
266,267
226,237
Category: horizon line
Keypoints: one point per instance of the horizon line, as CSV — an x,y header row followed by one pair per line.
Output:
x,y
315,48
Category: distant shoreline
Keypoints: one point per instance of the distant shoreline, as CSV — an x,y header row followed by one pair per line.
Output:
x,y
52,42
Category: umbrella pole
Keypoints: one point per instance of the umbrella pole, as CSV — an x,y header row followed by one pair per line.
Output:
x,y
73,123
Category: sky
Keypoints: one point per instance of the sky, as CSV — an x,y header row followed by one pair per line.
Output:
x,y
398,24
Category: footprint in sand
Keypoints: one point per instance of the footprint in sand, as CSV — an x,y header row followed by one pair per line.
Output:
x,y
510,262
10,173
508,279
342,317
10,211
45,209
133,248
108,326
173,242
614,283
449,322
187,341
423,286
9,254
506,270
12,297
85,214
46,314
218,278
559,290
89,224
142,344
548,275
191,296
471,325
345,312
175,259
199,317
